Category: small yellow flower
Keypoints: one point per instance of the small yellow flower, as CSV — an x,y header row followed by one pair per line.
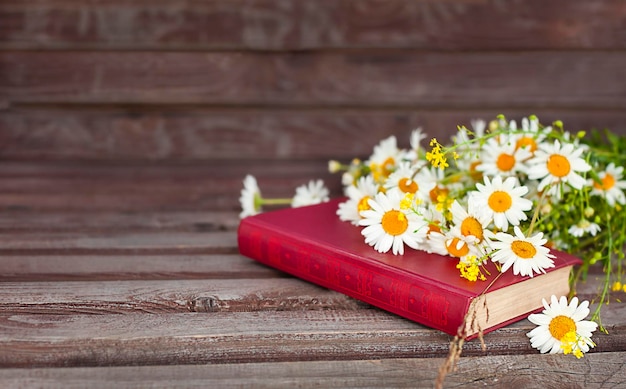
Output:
x,y
617,286
570,345
470,269
444,202
407,201
436,156
568,342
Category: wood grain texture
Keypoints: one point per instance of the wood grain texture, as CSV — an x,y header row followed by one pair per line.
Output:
x,y
165,296
181,221
138,338
212,135
241,337
68,186
118,243
297,25
205,295
50,267
362,78
513,371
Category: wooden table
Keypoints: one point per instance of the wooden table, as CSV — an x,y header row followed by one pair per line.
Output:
x,y
110,279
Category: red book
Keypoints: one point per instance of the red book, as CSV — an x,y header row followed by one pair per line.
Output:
x,y
313,244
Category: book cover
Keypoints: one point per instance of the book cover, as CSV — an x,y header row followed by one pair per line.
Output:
x,y
313,244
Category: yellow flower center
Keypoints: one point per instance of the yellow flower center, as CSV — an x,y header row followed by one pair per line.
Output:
x,y
560,326
474,172
607,182
363,204
558,165
471,226
505,162
394,222
457,252
523,249
436,192
433,227
528,142
500,201
388,166
408,186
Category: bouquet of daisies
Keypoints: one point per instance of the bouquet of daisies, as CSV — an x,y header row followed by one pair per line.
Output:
x,y
498,192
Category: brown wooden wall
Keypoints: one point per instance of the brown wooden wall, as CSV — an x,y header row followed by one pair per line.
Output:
x,y
182,91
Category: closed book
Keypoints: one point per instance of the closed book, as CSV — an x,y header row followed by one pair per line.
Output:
x,y
313,244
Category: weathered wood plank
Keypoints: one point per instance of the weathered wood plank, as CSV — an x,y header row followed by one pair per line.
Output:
x,y
219,338
124,242
362,78
226,337
200,221
49,267
210,294
68,186
168,296
294,25
523,371
188,134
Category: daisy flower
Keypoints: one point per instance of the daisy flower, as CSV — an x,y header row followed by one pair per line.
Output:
x,y
445,243
530,135
434,242
452,243
417,136
503,158
250,197
556,164
407,180
561,328
385,157
471,223
527,255
502,201
611,185
439,195
312,193
358,196
583,227
388,226
464,136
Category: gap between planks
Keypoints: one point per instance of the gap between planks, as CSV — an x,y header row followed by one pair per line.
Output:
x,y
194,338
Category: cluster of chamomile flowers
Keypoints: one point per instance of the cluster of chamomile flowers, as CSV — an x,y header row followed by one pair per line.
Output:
x,y
492,195
501,192
494,201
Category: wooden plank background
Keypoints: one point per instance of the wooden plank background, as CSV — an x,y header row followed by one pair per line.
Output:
x,y
130,80
127,126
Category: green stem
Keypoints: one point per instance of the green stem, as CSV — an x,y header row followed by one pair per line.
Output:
x,y
607,278
279,201
536,213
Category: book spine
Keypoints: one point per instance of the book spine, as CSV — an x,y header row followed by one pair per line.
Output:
x,y
395,292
